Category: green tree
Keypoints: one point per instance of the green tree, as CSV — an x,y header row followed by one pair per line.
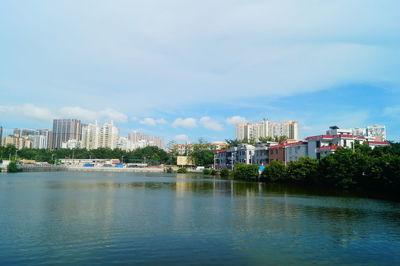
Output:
x,y
12,167
245,171
224,172
202,153
303,171
275,172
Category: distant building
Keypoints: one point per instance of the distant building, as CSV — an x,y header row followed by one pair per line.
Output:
x,y
91,136
373,133
376,132
18,142
39,141
265,129
23,132
186,149
109,135
65,130
71,144
140,140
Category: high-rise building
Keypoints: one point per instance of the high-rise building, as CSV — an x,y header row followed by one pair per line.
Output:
x,y
140,140
109,135
23,132
91,136
18,142
39,141
264,129
65,130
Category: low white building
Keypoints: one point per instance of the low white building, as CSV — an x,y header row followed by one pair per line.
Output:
x,y
245,153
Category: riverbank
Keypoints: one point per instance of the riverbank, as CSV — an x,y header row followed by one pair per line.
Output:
x,y
49,168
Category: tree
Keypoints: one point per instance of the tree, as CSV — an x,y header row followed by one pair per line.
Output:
x,y
202,153
305,170
232,142
12,167
266,139
275,172
245,171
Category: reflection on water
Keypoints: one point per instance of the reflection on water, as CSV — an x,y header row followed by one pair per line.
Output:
x,y
168,219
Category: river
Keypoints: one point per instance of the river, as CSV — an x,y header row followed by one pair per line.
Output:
x,y
139,218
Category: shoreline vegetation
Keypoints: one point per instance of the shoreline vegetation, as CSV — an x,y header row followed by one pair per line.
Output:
x,y
362,169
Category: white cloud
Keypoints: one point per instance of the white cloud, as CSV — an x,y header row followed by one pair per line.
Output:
x,y
236,120
234,51
26,111
89,115
182,138
185,122
153,122
209,123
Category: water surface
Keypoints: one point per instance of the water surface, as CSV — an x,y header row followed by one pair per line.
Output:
x,y
89,217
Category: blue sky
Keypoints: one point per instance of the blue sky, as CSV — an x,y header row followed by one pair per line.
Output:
x,y
189,69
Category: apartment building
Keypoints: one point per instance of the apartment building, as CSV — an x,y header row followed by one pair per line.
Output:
x,y
265,128
64,130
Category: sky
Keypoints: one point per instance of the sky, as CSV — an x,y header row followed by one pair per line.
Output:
x,y
182,69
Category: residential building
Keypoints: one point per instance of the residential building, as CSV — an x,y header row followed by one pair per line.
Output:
x,y
322,145
315,147
71,144
91,136
264,129
39,141
243,153
18,142
376,132
225,158
41,138
261,152
140,140
23,132
123,144
185,149
65,130
109,135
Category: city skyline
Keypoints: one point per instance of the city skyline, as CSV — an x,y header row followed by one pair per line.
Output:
x,y
183,71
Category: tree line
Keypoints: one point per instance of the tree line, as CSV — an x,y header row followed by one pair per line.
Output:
x,y
202,154
150,154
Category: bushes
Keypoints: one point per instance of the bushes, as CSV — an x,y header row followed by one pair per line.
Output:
x,y
303,171
209,172
224,172
169,170
182,170
275,171
12,167
245,171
